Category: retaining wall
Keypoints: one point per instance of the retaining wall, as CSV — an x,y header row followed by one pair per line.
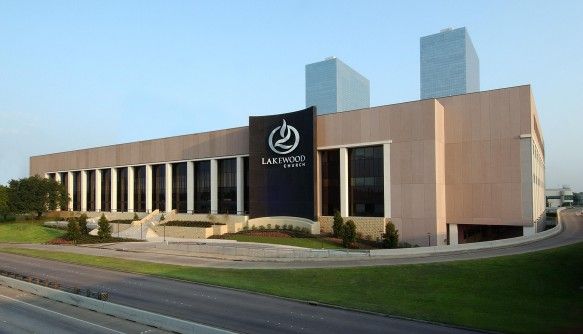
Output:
x,y
185,232
370,227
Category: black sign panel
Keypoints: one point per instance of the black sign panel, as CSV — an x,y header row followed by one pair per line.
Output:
x,y
282,165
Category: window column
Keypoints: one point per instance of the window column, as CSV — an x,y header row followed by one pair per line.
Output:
x,y
190,186
70,190
214,186
344,204
240,186
148,188
83,190
113,188
387,178
168,185
130,189
98,190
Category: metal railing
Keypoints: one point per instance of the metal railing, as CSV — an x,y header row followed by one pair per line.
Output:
x,y
100,295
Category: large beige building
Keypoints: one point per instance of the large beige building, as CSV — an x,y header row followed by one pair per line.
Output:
x,y
455,169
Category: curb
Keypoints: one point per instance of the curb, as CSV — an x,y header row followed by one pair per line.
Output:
x,y
119,311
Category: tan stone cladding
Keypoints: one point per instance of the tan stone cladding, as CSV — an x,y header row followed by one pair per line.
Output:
x,y
369,227
185,232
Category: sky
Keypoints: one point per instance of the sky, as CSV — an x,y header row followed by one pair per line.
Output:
x,y
78,74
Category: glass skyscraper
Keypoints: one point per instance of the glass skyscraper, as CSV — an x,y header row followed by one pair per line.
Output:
x,y
333,86
449,64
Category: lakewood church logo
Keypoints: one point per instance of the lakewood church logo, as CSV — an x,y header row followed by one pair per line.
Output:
x,y
284,145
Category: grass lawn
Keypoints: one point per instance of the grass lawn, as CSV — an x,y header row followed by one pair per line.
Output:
x,y
299,242
531,293
27,232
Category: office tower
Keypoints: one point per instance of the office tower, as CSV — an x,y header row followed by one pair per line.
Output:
x,y
333,86
449,64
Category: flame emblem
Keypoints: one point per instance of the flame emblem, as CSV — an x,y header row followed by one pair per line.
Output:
x,y
282,145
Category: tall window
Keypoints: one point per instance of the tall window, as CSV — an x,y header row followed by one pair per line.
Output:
x,y
52,176
140,189
76,191
159,187
90,195
365,175
227,187
246,184
202,186
106,189
330,169
65,183
122,189
179,191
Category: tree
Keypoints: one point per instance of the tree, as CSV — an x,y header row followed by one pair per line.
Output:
x,y
104,231
4,209
73,230
348,233
83,224
36,194
391,236
337,224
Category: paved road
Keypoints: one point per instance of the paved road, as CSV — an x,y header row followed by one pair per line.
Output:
x,y
218,307
572,233
21,312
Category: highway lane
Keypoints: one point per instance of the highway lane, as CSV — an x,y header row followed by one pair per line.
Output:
x,y
219,307
21,312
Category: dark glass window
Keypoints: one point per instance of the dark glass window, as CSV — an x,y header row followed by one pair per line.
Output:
x,y
202,186
159,187
365,175
76,191
90,195
140,189
52,176
179,191
106,189
65,182
246,184
330,169
122,189
227,187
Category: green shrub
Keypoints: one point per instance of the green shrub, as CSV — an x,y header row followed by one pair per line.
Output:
x,y
104,231
73,230
391,236
348,233
83,224
253,227
261,227
337,225
269,226
277,227
305,230
136,216
284,227
162,218
246,228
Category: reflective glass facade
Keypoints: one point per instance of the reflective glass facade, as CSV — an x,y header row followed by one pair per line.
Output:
x,y
449,64
227,187
122,189
90,195
106,189
159,187
330,176
202,187
140,189
333,86
179,189
365,181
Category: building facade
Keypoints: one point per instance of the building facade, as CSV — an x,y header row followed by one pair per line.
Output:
x,y
559,197
457,169
333,86
449,64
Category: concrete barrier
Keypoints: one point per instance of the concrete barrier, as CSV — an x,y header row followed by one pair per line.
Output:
x,y
119,311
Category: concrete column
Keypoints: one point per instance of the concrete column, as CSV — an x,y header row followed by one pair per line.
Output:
x,y
58,179
240,186
344,204
98,190
113,190
148,188
529,230
190,186
387,179
46,175
214,186
84,190
453,234
168,184
130,189
70,189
